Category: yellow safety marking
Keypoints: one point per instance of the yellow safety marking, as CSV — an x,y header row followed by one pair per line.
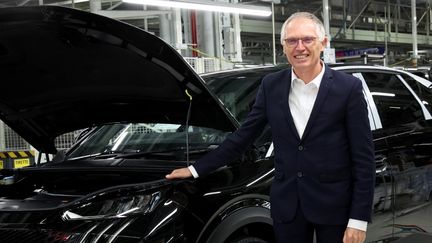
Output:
x,y
32,152
1,164
12,154
19,163
23,154
3,156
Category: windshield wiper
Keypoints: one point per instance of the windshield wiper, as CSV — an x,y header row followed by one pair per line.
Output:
x,y
105,154
129,154
169,153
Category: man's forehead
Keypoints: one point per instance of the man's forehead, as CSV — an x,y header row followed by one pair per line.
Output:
x,y
300,20
308,28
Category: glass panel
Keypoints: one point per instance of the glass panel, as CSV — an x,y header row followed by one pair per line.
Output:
x,y
146,137
395,104
236,90
423,92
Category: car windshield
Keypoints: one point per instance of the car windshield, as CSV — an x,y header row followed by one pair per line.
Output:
x,y
145,138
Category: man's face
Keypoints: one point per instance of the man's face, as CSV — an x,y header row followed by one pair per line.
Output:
x,y
302,54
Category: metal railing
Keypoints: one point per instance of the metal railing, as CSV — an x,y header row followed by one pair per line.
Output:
x,y
208,65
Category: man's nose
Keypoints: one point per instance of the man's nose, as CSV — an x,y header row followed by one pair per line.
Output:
x,y
300,45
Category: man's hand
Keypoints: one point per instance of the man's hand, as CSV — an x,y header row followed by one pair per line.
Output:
x,y
181,173
354,235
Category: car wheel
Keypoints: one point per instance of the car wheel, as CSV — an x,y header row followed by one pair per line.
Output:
x,y
249,239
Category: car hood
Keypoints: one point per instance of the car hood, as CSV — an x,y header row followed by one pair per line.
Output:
x,y
64,69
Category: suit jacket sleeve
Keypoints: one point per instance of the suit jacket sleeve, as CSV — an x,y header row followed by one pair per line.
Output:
x,y
362,155
236,143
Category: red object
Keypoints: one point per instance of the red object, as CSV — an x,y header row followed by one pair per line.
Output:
x,y
194,32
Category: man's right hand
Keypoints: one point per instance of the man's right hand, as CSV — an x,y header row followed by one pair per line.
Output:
x,y
181,173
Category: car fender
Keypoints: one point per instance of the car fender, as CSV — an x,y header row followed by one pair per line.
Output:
x,y
236,213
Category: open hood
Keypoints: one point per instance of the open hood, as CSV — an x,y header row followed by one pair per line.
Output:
x,y
64,69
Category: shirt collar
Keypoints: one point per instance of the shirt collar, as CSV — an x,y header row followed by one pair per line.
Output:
x,y
316,81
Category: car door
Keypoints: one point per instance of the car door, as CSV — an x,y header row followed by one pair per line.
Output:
x,y
403,152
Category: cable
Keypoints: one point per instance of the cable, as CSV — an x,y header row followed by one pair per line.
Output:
x,y
187,126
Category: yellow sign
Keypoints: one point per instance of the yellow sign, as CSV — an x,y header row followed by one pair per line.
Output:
x,y
1,164
19,163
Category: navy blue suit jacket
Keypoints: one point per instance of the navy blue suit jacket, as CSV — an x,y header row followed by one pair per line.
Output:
x,y
330,171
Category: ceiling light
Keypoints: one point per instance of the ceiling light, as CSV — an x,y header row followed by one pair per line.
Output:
x,y
207,6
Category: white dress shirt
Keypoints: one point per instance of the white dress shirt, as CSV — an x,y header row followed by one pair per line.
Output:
x,y
301,101
302,98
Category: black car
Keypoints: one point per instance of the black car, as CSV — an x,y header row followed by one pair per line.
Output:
x,y
145,112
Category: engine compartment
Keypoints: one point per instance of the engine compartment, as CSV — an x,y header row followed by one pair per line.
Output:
x,y
40,188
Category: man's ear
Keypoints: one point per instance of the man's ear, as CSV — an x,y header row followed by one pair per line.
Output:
x,y
324,43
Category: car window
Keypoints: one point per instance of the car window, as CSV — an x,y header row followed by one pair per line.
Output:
x,y
395,103
422,91
236,90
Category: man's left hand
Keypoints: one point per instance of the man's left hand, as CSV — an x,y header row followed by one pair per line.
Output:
x,y
354,235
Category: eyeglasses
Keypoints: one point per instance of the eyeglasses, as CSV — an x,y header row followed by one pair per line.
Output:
x,y
292,42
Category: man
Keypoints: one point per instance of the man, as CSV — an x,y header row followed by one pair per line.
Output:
x,y
324,156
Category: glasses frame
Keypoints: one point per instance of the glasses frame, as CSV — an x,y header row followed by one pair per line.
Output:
x,y
306,41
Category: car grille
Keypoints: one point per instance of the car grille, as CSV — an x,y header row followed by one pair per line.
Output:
x,y
23,236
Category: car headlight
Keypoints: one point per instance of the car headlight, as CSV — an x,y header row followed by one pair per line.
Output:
x,y
111,206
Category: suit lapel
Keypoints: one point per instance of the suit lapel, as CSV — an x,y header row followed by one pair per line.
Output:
x,y
324,88
286,86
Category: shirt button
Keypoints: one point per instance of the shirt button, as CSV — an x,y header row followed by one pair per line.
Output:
x,y
300,148
299,174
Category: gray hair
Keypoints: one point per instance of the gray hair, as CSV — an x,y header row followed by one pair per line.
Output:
x,y
320,31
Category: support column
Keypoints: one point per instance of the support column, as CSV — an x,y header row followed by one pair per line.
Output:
x,y
428,22
164,26
237,57
227,36
207,39
95,5
145,22
414,32
326,17
2,136
218,35
329,53
397,18
186,39
386,31
178,36
375,20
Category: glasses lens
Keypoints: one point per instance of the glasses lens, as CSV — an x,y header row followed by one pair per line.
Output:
x,y
308,40
305,41
291,41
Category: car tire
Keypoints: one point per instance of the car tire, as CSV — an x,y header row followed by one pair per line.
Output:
x,y
249,239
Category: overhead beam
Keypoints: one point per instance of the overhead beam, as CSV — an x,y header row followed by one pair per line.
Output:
x,y
132,14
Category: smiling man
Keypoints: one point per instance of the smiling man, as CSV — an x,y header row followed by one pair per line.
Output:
x,y
323,150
